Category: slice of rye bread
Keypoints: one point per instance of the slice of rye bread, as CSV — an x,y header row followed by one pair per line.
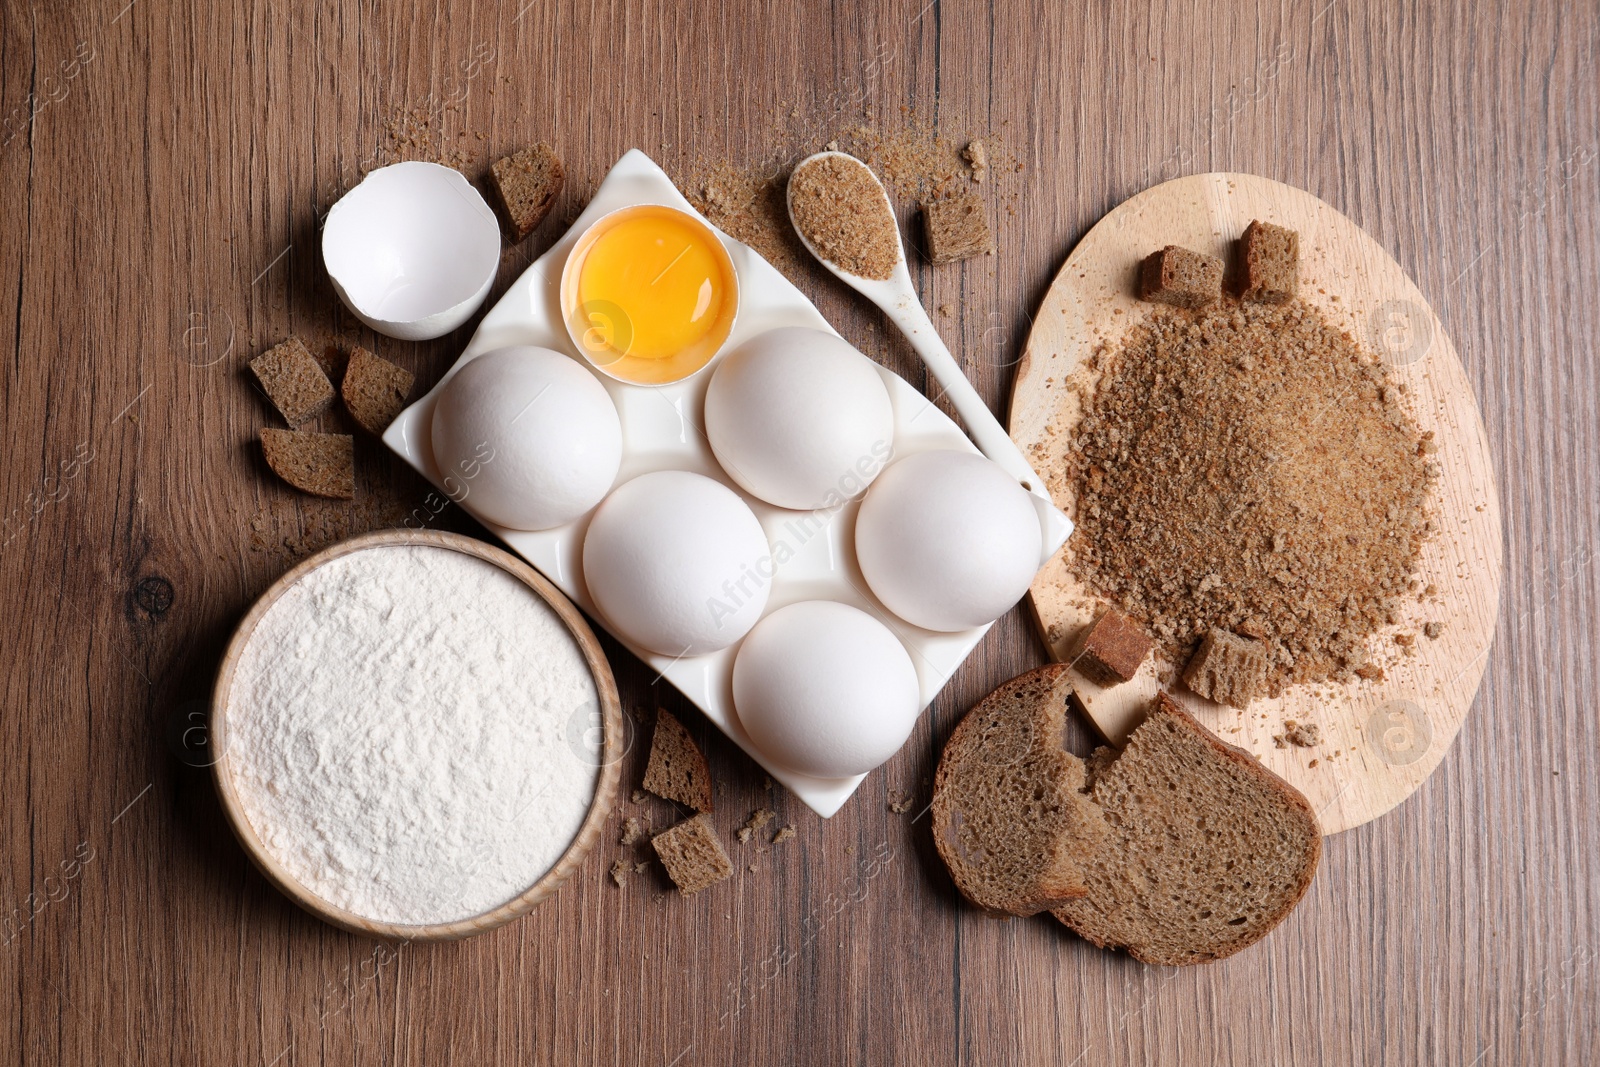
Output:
x,y
374,390
322,464
677,769
693,855
1208,851
1010,818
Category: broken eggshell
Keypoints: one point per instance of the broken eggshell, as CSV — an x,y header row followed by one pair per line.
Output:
x,y
412,250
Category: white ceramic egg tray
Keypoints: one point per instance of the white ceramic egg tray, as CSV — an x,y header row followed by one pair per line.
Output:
x,y
661,430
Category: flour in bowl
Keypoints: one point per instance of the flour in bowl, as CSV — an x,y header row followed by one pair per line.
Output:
x,y
409,731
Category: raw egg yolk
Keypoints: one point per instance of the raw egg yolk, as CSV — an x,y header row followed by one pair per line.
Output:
x,y
660,282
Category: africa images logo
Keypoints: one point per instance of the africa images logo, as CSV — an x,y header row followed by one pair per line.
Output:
x,y
796,533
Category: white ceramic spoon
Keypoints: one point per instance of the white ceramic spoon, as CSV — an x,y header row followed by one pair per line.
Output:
x,y
898,299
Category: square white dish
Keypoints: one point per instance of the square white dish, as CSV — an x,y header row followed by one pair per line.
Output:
x,y
661,430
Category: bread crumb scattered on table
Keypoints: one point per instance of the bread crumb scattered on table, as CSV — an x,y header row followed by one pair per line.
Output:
x,y
758,818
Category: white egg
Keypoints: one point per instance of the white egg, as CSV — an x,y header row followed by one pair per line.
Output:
x,y
677,563
799,418
526,438
825,689
948,540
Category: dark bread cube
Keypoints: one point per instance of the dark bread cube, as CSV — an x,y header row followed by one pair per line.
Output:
x,y
1269,263
374,390
1181,278
526,185
956,228
677,768
1111,649
1227,668
294,381
692,855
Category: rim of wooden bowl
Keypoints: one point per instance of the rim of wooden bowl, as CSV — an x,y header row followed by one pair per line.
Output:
x,y
610,770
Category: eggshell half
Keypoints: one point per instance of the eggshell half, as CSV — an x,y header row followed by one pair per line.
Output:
x,y
412,250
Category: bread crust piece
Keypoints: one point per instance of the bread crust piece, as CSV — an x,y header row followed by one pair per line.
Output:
x,y
1227,668
322,464
677,769
1178,882
526,185
374,390
1269,263
693,855
294,381
1010,819
956,229
1179,277
1110,650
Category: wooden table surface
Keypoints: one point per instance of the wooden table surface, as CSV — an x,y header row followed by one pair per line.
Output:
x,y
163,172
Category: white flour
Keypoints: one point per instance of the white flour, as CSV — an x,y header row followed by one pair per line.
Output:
x,y
411,731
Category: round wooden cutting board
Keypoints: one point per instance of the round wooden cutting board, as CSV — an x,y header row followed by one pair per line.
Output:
x,y
1380,739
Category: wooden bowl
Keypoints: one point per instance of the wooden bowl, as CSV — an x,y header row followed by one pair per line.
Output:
x,y
610,749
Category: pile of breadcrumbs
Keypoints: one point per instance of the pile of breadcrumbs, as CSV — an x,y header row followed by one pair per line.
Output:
x,y
1250,467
